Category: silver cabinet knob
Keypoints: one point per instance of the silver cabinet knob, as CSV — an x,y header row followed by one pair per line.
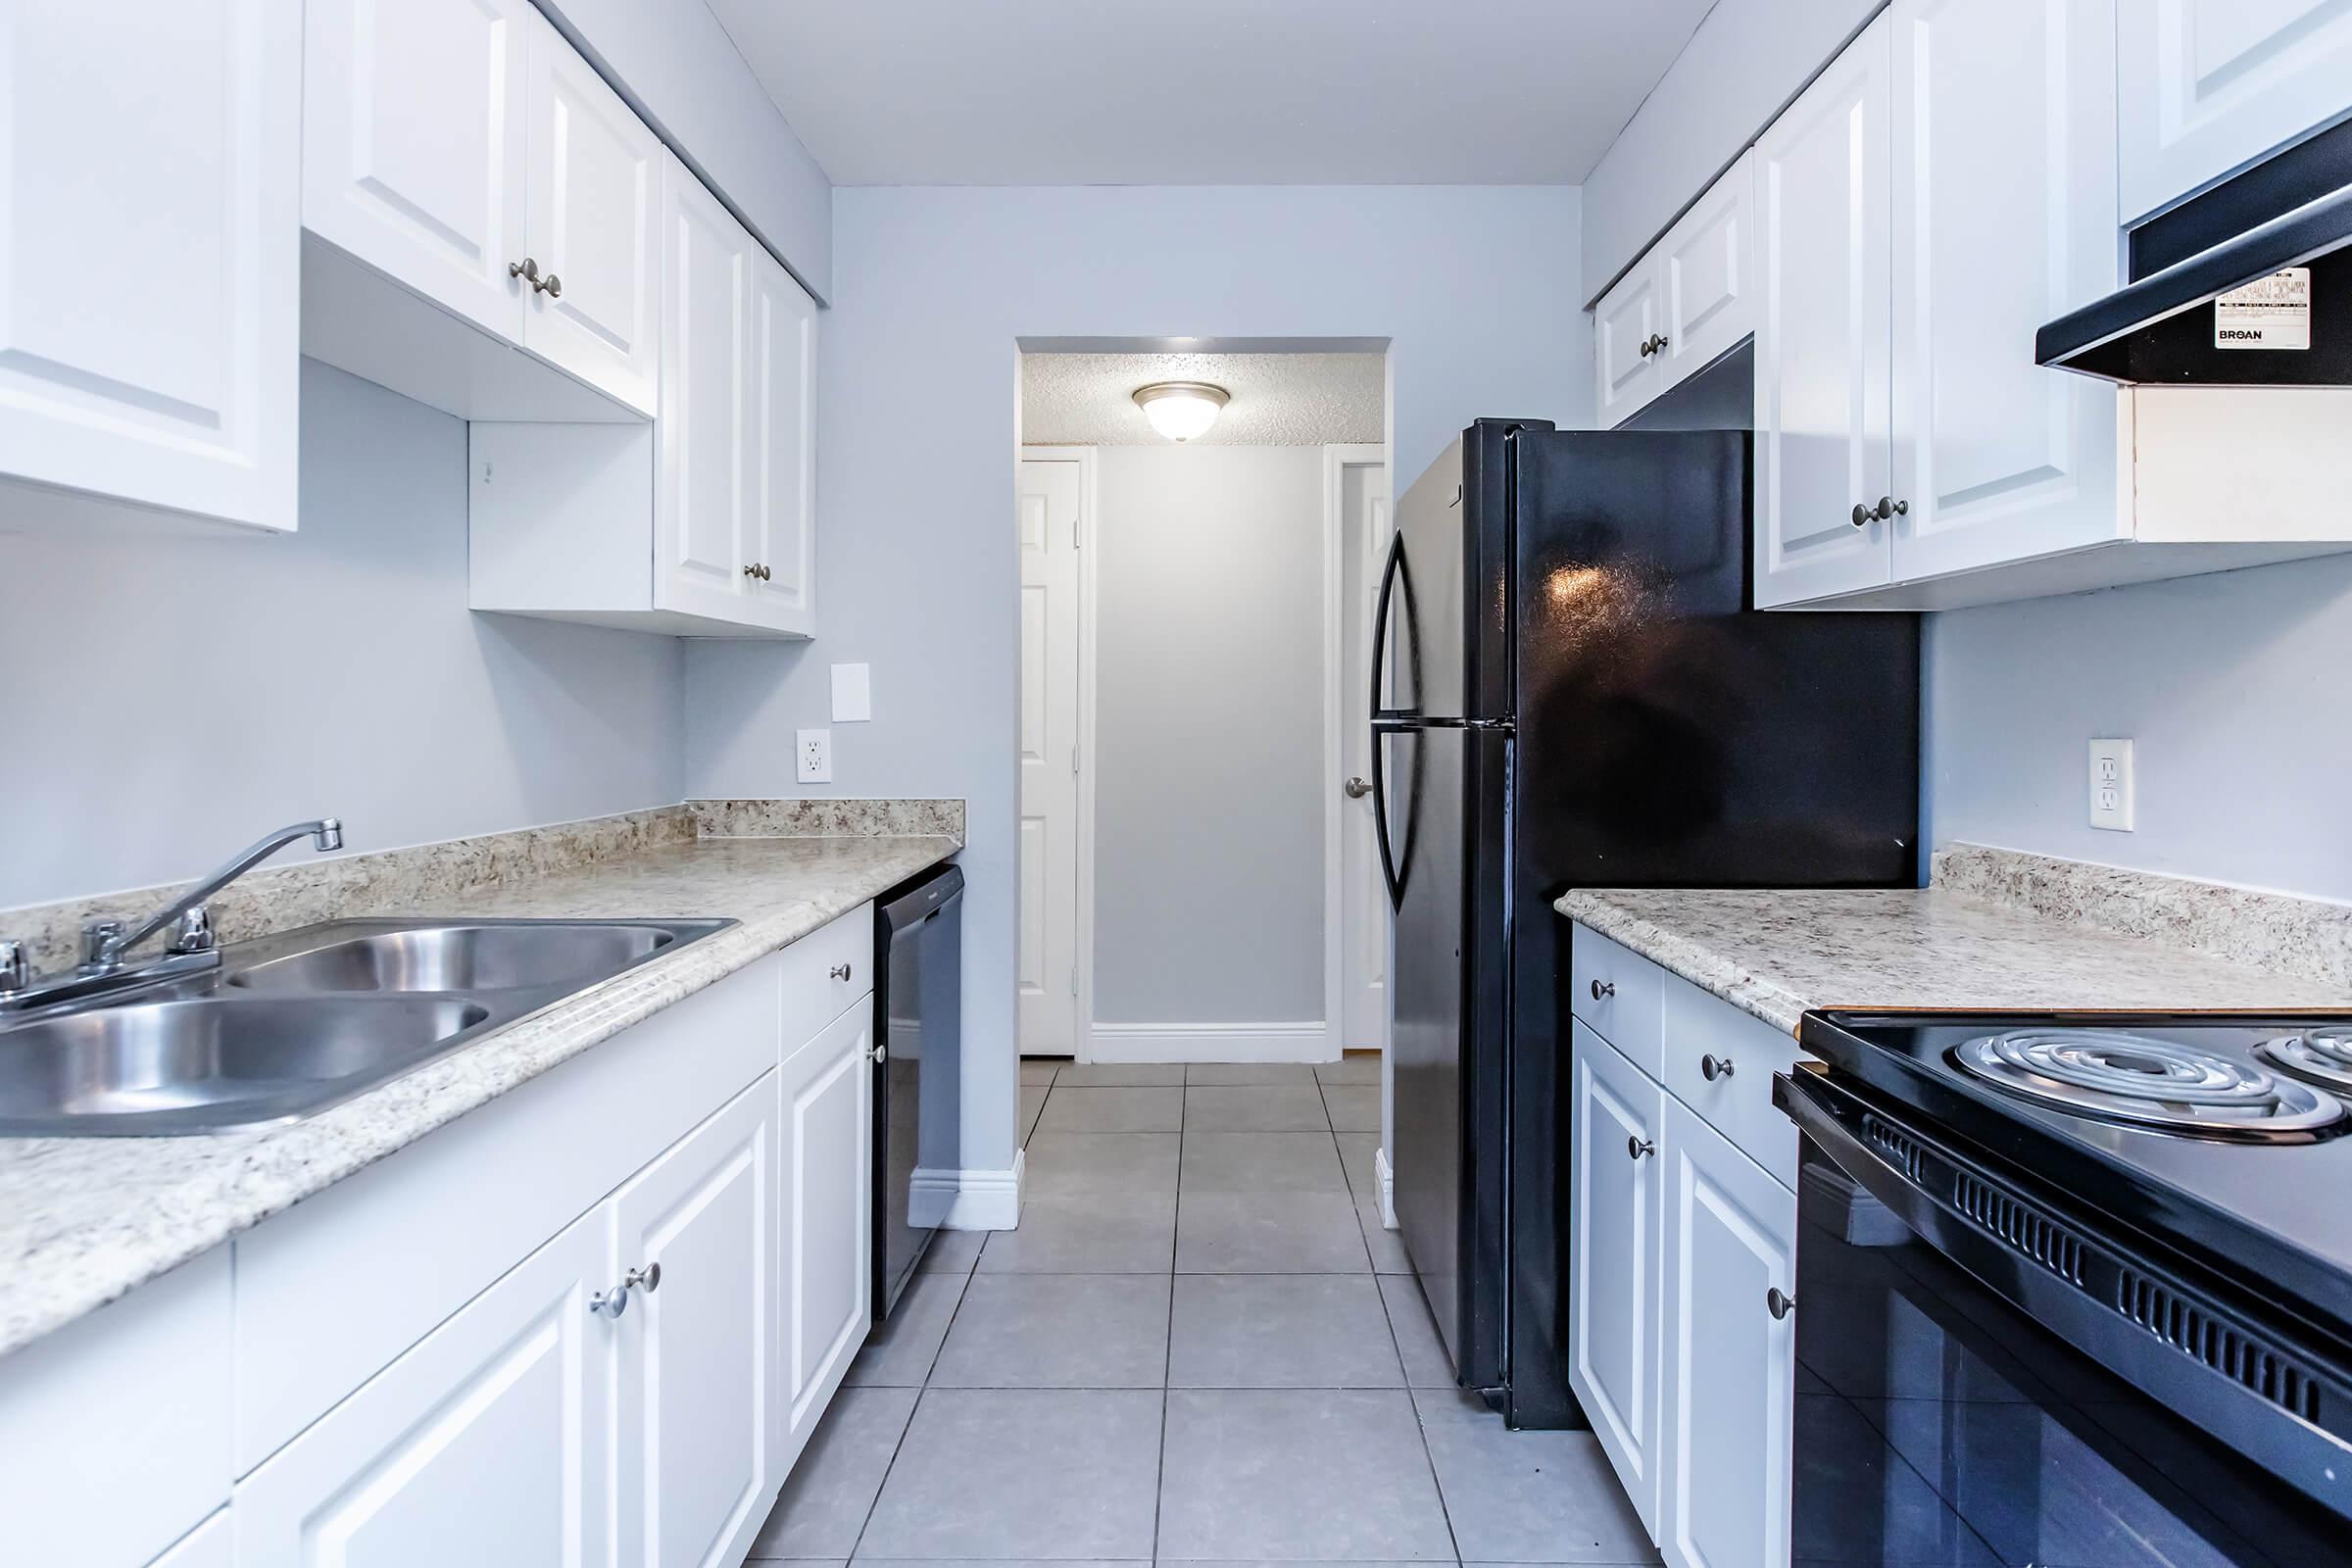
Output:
x,y
610,1303
878,1055
1357,789
15,968
1889,506
1778,1304
1639,1147
553,286
1712,1067
649,1276
1863,515
840,972
750,571
1603,988
528,270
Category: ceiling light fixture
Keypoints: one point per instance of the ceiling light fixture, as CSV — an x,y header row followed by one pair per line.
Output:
x,y
1181,410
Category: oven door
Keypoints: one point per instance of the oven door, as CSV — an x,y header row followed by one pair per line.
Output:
x,y
1946,1411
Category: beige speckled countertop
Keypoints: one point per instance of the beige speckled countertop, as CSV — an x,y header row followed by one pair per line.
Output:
x,y
1779,955
84,1219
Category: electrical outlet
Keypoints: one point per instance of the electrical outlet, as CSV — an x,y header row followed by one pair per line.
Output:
x,y
2111,785
814,749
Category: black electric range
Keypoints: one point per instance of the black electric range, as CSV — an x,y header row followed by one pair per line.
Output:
x,y
2074,1289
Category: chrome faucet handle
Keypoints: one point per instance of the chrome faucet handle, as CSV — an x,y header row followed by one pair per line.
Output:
x,y
193,932
101,946
16,970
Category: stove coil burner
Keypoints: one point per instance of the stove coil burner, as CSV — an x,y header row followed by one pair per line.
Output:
x,y
2322,1055
2148,1082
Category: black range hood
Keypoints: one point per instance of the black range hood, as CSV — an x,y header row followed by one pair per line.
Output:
x,y
2292,210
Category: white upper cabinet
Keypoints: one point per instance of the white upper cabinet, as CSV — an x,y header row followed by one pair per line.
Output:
x,y
780,423
1825,331
1619,1121
1625,346
2208,86
1707,268
595,184
150,192
700,517
2004,178
412,145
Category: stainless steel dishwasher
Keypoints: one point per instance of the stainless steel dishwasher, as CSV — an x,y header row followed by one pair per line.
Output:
x,y
918,1004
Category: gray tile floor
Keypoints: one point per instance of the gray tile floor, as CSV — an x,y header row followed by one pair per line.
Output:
x,y
1199,1345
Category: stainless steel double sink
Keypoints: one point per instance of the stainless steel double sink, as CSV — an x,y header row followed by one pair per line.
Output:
x,y
290,1025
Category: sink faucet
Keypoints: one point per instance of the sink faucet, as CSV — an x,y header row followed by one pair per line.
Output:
x,y
104,941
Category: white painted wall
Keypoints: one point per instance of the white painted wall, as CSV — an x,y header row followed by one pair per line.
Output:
x,y
2238,688
1747,60
1474,288
169,699
1208,736
685,77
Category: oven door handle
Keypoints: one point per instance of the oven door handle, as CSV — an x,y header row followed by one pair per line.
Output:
x,y
1806,1101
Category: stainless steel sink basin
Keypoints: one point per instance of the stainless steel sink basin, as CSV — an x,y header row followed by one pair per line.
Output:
x,y
203,1063
487,956
290,1025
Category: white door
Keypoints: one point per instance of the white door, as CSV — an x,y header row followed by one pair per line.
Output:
x,y
2208,86
1729,1362
487,1446
1051,503
780,449
825,1217
2004,180
1625,349
695,1409
149,234
700,525
1823,339
1365,919
1706,267
412,145
1618,1115
594,183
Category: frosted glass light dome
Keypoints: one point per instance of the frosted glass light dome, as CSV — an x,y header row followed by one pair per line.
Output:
x,y
1181,410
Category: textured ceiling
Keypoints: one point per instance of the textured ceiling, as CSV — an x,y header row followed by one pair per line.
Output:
x,y
1279,400
1209,92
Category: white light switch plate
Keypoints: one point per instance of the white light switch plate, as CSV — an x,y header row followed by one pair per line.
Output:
x,y
814,749
852,694
2111,785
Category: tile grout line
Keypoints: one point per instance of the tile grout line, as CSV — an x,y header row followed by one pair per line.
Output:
x,y
1167,1358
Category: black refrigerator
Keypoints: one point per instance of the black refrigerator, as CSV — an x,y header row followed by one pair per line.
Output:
x,y
1571,690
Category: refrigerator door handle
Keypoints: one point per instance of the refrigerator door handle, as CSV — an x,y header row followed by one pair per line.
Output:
x,y
1394,576
1396,861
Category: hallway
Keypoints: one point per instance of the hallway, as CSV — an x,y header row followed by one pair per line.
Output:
x,y
1201,1344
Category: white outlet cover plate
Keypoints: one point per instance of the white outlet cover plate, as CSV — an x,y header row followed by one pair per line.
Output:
x,y
852,694
814,750
2111,786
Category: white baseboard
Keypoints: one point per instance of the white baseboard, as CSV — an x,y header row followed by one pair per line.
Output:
x,y
968,1200
1210,1041
1386,1179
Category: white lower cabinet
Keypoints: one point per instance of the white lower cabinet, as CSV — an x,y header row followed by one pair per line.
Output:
x,y
696,1410
488,1445
1618,1118
1728,1359
825,1095
1684,1355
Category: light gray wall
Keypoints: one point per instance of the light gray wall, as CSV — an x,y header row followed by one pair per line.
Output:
x,y
1745,62
2236,687
1209,735
169,699
678,69
916,431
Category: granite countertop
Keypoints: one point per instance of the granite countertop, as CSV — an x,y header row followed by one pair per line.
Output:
x,y
1779,955
82,1220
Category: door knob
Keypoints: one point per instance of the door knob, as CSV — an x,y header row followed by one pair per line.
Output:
x,y
1357,789
1637,1148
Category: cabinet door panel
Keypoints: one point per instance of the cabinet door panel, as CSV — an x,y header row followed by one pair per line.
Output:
x,y
1728,1363
595,194
2208,86
412,145
2004,162
1706,275
1824,348
1626,319
701,527
826,1214
1614,1198
150,212
485,1447
780,446
696,1428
